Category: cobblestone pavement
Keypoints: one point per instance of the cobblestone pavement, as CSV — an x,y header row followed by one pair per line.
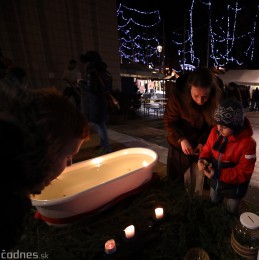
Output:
x,y
148,131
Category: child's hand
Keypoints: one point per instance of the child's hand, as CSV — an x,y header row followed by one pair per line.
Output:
x,y
202,164
78,81
206,167
209,172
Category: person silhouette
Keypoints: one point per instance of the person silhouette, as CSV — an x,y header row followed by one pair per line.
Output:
x,y
95,85
40,130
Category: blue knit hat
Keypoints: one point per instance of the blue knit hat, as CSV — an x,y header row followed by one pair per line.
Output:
x,y
230,113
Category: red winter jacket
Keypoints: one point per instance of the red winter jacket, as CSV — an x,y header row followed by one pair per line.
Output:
x,y
240,151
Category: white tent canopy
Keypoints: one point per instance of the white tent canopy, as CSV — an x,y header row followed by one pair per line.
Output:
x,y
241,77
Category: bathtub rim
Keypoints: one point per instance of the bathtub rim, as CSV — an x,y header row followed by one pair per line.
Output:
x,y
64,221
43,203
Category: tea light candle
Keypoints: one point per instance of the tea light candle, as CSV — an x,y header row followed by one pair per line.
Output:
x,y
110,246
159,213
129,231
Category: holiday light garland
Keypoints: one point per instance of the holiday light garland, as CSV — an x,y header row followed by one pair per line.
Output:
x,y
134,46
222,41
230,39
223,36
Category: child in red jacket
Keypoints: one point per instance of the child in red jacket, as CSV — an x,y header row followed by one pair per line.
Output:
x,y
229,155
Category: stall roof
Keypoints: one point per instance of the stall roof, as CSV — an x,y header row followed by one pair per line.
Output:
x,y
139,71
241,77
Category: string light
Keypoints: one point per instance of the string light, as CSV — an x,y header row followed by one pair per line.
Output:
x,y
223,37
223,42
134,46
122,13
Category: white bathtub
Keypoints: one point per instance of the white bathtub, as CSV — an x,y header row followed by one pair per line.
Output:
x,y
89,186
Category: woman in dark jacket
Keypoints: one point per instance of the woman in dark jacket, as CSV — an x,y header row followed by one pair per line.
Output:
x,y
97,82
188,119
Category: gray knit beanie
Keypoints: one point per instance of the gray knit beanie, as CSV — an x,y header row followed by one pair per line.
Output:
x,y
230,113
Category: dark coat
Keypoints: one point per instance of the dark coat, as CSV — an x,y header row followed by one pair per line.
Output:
x,y
184,118
15,201
94,91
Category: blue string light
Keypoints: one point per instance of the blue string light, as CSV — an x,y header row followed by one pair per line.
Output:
x,y
223,38
137,45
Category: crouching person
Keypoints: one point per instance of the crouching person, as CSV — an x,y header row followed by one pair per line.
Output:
x,y
229,155
40,130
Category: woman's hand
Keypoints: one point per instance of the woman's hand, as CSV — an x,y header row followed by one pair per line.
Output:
x,y
186,147
198,149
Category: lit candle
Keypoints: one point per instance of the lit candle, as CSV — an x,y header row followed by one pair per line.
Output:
x,y
129,231
159,213
110,246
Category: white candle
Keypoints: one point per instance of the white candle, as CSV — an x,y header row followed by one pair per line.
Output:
x,y
110,246
159,213
129,231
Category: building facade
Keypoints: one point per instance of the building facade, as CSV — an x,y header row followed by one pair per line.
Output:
x,y
41,36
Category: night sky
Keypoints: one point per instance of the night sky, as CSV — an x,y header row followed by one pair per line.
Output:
x,y
175,14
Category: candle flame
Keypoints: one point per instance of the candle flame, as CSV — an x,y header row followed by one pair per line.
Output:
x,y
129,231
145,163
159,213
97,161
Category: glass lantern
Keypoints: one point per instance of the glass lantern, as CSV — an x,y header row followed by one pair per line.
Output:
x,y
245,235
